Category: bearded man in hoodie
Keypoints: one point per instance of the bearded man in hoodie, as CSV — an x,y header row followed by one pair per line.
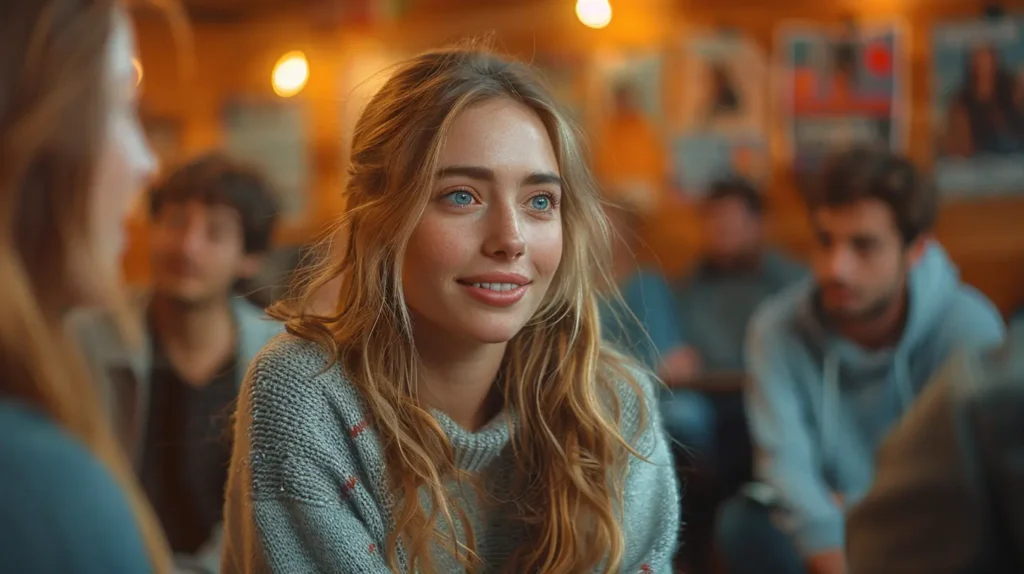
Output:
x,y
837,360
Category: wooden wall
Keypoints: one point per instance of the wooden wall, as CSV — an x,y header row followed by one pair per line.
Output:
x,y
982,236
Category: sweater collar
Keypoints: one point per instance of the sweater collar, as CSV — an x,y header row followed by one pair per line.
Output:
x,y
475,451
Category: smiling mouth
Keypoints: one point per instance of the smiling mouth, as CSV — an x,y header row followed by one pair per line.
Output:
x,y
499,287
496,293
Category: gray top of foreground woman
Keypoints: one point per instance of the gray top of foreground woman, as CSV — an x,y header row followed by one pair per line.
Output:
x,y
306,491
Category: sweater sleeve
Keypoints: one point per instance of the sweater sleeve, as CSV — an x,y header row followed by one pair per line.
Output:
x,y
651,505
291,507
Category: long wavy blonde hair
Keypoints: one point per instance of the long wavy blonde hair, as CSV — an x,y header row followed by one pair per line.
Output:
x,y
568,445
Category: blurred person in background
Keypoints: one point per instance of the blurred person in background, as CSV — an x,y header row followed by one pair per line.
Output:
x,y
735,271
458,409
947,496
644,324
734,274
835,363
74,155
212,222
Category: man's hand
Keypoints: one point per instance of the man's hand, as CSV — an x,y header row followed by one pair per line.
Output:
x,y
679,365
827,562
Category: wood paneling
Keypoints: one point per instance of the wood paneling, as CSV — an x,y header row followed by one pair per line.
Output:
x,y
982,237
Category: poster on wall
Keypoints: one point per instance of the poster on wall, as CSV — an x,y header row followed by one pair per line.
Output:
x,y
270,134
722,130
840,87
637,72
630,156
564,75
978,106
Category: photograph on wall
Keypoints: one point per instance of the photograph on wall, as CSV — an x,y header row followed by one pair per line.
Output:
x,y
722,127
842,86
978,106
565,76
271,135
626,122
639,73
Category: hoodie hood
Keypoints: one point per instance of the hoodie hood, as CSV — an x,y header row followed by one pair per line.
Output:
x,y
933,282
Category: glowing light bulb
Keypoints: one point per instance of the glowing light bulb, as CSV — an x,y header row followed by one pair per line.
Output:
x,y
290,74
594,13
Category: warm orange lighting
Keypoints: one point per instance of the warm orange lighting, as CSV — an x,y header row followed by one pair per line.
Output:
x,y
138,71
594,13
290,74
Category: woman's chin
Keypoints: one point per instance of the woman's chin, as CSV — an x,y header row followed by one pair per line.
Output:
x,y
494,332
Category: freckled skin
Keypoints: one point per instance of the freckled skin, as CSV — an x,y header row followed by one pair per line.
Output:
x,y
475,226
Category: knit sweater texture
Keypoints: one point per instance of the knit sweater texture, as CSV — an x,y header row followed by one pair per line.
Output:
x,y
307,491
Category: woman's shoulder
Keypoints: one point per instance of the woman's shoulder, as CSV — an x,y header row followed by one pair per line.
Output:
x,y
290,370
296,389
287,353
55,494
300,420
636,391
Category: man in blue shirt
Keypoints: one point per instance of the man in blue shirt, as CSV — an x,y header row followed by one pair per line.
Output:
x,y
645,324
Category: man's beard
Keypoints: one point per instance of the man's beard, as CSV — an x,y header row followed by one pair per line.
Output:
x,y
738,262
190,304
874,310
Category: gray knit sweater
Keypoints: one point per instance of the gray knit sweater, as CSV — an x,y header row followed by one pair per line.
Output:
x,y
306,491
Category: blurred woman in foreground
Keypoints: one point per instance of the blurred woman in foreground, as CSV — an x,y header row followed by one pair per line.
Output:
x,y
72,154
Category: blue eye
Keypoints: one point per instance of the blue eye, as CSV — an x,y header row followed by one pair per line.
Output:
x,y
460,197
540,203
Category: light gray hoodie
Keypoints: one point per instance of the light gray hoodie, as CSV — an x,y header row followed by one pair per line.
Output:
x,y
820,405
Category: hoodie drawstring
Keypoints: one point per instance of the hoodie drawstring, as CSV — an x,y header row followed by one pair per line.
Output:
x,y
830,407
902,374
830,399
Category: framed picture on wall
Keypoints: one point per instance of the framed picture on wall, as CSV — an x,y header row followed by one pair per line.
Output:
x,y
722,125
627,124
271,134
841,86
978,106
565,75
636,72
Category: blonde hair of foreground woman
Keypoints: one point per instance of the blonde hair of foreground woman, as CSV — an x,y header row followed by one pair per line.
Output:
x,y
569,444
71,156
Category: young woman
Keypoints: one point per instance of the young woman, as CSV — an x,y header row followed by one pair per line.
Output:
x,y
72,153
458,412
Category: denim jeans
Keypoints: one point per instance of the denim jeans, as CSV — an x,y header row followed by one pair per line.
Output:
x,y
751,542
